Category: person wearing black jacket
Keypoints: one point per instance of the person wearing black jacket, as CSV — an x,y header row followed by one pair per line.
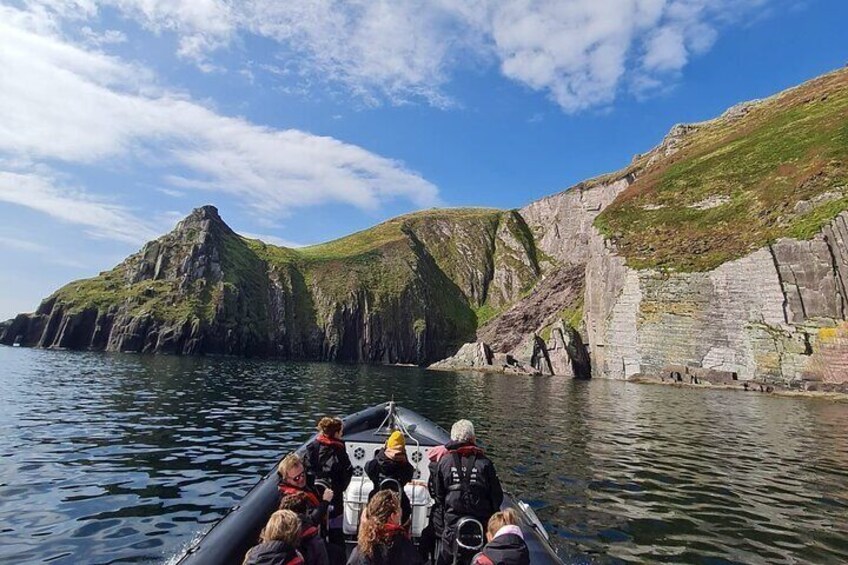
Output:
x,y
506,542
464,484
327,462
381,539
293,481
277,542
312,546
391,463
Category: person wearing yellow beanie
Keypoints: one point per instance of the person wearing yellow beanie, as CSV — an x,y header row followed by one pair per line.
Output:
x,y
396,442
391,463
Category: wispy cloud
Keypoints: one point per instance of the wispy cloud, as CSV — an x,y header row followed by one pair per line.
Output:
x,y
99,218
202,25
99,39
21,245
63,102
582,53
171,192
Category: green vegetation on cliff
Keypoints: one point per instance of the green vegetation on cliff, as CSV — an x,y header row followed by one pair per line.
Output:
x,y
381,258
236,301
405,290
778,168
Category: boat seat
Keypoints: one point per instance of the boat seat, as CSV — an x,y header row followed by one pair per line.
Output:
x,y
356,497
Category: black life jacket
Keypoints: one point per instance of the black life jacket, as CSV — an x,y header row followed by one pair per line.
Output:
x,y
397,549
467,485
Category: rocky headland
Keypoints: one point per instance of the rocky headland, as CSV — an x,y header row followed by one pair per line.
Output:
x,y
721,252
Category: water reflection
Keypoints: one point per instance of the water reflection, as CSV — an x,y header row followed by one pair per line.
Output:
x,y
118,458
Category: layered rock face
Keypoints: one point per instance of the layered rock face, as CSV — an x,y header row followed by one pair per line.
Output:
x,y
727,254
777,314
563,223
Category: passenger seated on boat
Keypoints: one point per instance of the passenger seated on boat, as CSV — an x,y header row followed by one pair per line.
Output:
x,y
293,481
506,541
312,547
464,484
381,539
277,542
391,467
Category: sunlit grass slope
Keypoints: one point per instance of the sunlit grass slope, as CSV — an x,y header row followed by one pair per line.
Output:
x,y
737,183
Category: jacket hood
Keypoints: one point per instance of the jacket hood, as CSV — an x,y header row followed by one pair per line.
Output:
x,y
273,552
437,453
507,548
464,448
385,456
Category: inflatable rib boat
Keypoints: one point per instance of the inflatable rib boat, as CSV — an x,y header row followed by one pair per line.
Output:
x,y
365,433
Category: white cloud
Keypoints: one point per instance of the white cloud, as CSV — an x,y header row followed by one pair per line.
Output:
x,y
171,192
665,50
64,103
101,219
21,245
202,25
580,52
583,52
98,39
377,48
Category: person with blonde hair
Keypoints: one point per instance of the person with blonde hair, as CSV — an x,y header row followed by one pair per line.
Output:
x,y
505,541
277,542
293,481
381,539
391,465
327,463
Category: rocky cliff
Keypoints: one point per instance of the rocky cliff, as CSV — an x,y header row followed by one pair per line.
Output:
x,y
727,251
722,250
407,291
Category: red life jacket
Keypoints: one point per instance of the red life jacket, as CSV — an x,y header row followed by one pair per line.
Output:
x,y
309,532
468,450
324,440
395,529
482,559
287,489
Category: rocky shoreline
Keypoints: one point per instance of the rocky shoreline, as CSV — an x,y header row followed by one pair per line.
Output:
x,y
837,392
682,375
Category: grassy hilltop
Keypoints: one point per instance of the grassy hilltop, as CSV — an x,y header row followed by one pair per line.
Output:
x,y
777,168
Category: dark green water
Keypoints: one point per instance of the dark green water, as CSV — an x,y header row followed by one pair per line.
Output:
x,y
120,458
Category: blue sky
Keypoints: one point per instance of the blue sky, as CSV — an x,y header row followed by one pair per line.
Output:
x,y
305,121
